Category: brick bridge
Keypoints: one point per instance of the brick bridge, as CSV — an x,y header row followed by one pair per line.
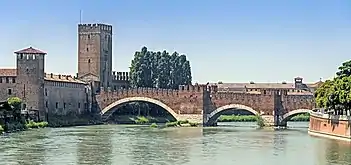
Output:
x,y
204,104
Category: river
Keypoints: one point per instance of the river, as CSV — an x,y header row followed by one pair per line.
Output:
x,y
227,144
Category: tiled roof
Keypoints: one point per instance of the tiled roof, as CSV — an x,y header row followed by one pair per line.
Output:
x,y
8,72
315,85
62,78
30,50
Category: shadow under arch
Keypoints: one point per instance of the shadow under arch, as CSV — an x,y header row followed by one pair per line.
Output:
x,y
289,115
213,116
110,109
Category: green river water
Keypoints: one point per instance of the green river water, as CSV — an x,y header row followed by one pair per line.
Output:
x,y
228,144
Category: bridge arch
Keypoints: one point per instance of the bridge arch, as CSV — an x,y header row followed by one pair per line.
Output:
x,y
213,116
108,111
290,114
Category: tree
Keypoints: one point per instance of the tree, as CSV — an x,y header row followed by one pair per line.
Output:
x,y
335,94
344,69
159,69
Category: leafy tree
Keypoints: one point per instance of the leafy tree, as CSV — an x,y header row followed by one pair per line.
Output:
x,y
335,94
344,69
159,69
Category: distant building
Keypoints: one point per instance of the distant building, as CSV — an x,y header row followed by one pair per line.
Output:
x,y
297,87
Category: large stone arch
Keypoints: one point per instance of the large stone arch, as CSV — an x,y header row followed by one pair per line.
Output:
x,y
108,111
213,116
295,112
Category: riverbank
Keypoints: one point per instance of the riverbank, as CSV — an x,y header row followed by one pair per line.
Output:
x,y
252,118
17,126
330,126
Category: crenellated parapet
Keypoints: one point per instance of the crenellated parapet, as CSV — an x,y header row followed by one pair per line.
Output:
x,y
94,28
120,76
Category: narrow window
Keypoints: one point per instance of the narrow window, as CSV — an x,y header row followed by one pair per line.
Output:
x,y
56,105
78,105
46,92
13,80
88,36
64,105
89,61
46,104
0,79
24,106
9,91
7,80
87,49
21,56
264,91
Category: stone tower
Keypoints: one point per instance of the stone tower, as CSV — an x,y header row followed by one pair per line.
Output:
x,y
30,79
95,53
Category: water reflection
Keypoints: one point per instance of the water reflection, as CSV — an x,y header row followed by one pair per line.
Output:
x,y
129,145
23,148
94,145
338,151
161,146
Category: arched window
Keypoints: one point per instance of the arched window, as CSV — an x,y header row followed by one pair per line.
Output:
x,y
89,61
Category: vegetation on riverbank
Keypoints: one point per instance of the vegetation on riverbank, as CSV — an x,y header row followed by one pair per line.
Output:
x,y
335,94
253,118
182,123
32,124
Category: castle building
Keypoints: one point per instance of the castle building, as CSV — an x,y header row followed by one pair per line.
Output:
x,y
56,94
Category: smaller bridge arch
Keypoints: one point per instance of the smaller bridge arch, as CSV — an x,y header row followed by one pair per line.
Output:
x,y
213,116
290,114
108,110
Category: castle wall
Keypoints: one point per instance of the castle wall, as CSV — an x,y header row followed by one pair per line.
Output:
x,y
8,87
62,98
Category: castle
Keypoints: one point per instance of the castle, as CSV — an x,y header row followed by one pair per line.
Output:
x,y
57,94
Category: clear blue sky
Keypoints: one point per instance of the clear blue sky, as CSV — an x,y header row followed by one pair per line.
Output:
x,y
225,40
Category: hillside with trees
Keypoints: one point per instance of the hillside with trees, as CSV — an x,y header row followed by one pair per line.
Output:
x,y
335,94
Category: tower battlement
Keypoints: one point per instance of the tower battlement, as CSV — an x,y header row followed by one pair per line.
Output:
x,y
94,28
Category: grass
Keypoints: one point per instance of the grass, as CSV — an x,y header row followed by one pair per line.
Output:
x,y
253,118
301,117
237,118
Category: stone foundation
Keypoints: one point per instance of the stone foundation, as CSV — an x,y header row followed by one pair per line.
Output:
x,y
196,118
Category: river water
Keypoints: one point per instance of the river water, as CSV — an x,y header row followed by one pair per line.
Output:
x,y
229,144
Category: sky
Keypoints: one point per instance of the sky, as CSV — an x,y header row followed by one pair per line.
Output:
x,y
224,40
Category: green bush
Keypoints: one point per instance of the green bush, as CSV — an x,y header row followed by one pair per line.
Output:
x,y
1,129
153,125
32,124
141,120
15,102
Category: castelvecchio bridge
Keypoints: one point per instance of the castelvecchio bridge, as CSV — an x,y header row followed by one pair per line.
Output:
x,y
205,103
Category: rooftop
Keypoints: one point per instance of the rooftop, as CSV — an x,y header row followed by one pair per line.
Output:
x,y
62,78
8,72
30,50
